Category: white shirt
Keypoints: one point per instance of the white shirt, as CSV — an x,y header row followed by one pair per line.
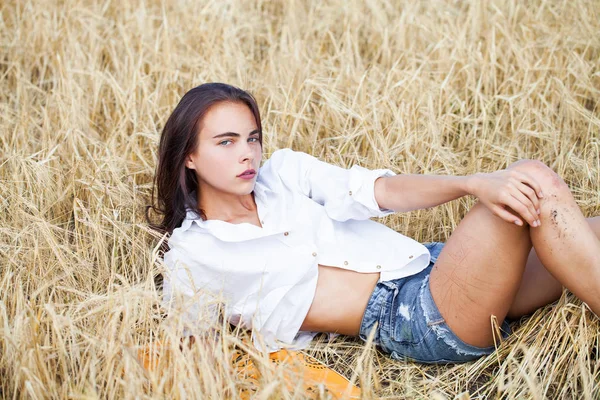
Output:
x,y
311,213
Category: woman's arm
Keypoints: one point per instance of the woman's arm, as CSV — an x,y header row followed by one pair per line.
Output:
x,y
408,192
499,190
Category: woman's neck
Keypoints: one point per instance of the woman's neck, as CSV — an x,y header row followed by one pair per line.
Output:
x,y
226,207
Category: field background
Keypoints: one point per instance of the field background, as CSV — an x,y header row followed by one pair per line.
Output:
x,y
444,87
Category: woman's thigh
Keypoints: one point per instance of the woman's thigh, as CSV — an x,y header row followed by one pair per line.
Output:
x,y
478,273
538,288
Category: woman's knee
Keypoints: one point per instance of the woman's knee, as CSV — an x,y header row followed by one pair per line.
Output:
x,y
549,180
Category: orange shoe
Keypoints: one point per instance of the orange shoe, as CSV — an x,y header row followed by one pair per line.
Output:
x,y
312,371
315,373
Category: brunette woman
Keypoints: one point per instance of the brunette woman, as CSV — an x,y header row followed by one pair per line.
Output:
x,y
289,249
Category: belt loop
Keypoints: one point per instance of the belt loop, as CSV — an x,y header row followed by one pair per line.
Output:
x,y
389,284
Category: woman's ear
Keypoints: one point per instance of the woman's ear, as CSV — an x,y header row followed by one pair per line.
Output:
x,y
189,163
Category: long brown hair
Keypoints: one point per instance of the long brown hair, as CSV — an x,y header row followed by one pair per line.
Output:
x,y
174,182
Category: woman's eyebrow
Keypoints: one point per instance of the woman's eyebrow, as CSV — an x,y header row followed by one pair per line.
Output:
x,y
233,134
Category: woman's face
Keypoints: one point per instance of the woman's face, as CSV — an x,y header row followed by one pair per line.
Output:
x,y
228,145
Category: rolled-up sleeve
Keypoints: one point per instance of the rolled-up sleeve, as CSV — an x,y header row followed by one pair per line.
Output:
x,y
345,193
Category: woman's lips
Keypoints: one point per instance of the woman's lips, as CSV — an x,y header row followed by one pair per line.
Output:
x,y
247,176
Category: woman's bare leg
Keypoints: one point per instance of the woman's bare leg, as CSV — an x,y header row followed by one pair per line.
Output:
x,y
538,287
480,269
478,273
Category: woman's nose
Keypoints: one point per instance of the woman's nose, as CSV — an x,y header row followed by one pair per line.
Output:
x,y
247,153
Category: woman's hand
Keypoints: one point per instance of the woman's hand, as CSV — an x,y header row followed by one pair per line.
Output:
x,y
509,188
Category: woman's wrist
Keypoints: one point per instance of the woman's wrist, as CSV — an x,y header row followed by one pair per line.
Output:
x,y
473,182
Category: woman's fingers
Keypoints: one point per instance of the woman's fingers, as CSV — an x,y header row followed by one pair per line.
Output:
x,y
530,193
515,191
519,203
526,208
524,178
507,216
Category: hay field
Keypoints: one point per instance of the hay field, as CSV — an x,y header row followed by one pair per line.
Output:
x,y
437,87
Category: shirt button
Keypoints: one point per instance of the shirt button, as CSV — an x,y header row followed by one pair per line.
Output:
x,y
314,253
287,233
350,192
410,256
345,262
378,267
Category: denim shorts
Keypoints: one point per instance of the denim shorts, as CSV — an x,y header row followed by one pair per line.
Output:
x,y
410,326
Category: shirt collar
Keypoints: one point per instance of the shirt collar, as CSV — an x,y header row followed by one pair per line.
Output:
x,y
260,196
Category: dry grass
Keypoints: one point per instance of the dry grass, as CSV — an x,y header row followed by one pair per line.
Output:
x,y
430,87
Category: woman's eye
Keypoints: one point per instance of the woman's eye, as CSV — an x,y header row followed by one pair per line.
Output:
x,y
224,141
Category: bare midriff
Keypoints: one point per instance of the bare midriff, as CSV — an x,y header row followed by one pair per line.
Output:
x,y
340,300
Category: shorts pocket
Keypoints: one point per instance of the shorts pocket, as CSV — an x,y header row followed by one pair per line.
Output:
x,y
406,333
403,319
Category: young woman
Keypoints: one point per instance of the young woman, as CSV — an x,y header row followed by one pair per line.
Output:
x,y
289,250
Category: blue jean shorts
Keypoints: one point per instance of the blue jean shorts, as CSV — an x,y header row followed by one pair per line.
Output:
x,y
410,326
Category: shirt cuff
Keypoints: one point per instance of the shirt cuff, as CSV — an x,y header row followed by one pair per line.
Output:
x,y
362,188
